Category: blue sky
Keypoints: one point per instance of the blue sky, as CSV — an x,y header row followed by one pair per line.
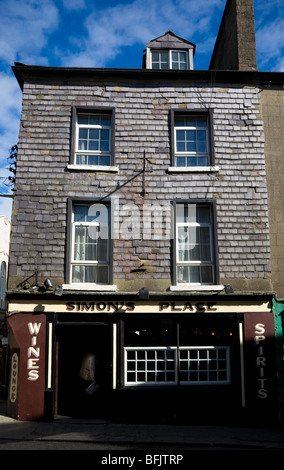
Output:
x,y
111,33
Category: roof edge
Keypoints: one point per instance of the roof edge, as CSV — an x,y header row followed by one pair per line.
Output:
x,y
23,72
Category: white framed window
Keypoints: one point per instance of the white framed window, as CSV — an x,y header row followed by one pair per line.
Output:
x,y
194,244
186,365
169,59
93,139
90,244
179,60
150,365
204,365
191,141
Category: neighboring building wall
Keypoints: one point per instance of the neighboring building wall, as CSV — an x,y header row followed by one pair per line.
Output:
x,y
235,47
5,228
273,116
43,182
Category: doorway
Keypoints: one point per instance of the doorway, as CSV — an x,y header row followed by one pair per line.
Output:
x,y
83,369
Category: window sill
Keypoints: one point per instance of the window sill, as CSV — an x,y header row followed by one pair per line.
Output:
x,y
90,287
90,168
193,169
197,287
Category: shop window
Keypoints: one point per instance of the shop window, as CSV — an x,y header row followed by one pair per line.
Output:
x,y
201,365
204,365
150,366
195,252
93,138
90,244
177,352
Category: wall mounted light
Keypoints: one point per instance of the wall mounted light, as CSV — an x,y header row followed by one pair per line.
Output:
x,y
47,283
143,294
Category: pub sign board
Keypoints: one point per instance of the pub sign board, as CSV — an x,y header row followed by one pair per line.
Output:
x,y
27,339
260,363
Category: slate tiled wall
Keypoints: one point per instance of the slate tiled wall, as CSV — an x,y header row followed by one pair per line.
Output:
x,y
43,181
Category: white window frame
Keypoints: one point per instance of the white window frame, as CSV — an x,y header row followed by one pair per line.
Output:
x,y
75,151
170,60
93,153
203,374
199,263
139,370
94,263
193,154
200,351
179,51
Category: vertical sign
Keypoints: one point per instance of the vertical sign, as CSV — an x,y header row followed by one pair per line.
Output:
x,y
260,365
27,332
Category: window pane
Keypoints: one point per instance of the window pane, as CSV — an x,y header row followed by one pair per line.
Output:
x,y
106,121
203,214
152,365
93,159
179,60
94,274
191,137
85,248
192,161
90,244
202,161
80,213
205,250
83,119
186,213
81,159
194,244
104,160
94,213
160,60
206,274
175,56
94,136
181,161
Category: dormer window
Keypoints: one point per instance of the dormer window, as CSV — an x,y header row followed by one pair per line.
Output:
x,y
172,59
169,52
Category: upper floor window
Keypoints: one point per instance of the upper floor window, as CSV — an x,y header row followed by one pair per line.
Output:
x,y
171,59
93,144
192,139
90,244
195,250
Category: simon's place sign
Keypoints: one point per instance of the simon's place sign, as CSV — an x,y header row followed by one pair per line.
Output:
x,y
133,306
139,306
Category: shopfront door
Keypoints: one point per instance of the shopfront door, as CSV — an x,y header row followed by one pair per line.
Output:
x,y
83,368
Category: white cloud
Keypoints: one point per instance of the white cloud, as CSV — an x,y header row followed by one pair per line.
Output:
x,y
127,24
269,23
74,4
24,29
10,99
6,207
25,26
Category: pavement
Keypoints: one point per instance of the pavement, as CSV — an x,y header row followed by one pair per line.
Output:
x,y
151,436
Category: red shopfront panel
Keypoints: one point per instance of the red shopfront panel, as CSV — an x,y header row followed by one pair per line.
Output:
x,y
27,340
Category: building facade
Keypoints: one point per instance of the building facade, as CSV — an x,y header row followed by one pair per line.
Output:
x,y
140,271
5,227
